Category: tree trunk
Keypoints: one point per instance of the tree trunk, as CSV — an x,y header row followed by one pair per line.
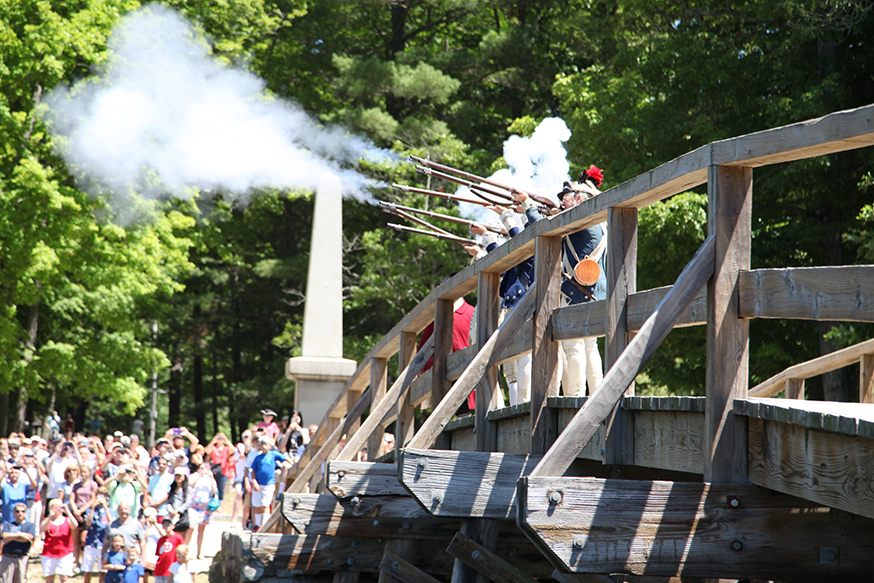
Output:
x,y
4,413
236,354
197,384
397,43
32,327
52,398
215,420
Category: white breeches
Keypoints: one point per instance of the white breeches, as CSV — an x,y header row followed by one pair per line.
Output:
x,y
518,375
581,362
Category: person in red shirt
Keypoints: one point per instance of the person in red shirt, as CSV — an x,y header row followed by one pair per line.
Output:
x,y
460,337
167,551
57,552
221,460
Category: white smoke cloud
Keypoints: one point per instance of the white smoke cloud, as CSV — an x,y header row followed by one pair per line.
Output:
x,y
163,106
537,164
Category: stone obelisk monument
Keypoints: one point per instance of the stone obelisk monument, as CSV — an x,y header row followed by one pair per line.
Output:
x,y
321,372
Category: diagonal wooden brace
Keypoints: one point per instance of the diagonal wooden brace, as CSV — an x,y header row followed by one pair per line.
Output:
x,y
588,420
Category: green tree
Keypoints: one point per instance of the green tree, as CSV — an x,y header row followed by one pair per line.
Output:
x,y
667,78
74,289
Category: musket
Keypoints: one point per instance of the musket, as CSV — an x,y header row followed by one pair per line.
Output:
x,y
396,211
459,240
437,193
460,221
477,189
541,199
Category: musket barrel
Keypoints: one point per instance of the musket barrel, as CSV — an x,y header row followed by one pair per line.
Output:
x,y
477,189
473,177
459,220
438,194
397,211
460,240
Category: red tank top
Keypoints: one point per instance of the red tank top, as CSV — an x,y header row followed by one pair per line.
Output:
x,y
59,541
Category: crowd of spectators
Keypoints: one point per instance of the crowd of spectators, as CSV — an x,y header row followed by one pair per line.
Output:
x,y
109,507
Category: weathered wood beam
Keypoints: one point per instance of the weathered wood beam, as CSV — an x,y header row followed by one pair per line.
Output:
x,y
835,132
334,553
866,379
460,359
545,368
378,388
853,419
842,293
419,391
669,440
488,395
378,410
621,282
588,420
830,469
811,368
347,479
729,222
444,411
404,425
485,561
444,320
590,319
692,530
398,547
404,571
364,516
464,483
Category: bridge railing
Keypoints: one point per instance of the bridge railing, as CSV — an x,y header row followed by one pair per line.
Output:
x,y
734,294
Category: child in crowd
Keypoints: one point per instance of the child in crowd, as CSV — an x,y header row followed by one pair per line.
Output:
x,y
134,571
96,521
167,546
115,561
154,532
179,572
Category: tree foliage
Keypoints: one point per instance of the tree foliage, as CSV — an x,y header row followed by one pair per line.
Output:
x,y
639,82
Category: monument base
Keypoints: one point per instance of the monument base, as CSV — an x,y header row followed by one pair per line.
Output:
x,y
318,383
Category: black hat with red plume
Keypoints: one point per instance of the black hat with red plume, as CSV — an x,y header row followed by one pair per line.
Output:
x,y
593,174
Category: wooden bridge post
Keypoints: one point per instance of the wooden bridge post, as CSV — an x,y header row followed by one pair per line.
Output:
x,y
378,385
729,218
405,424
621,281
866,378
487,392
444,318
545,372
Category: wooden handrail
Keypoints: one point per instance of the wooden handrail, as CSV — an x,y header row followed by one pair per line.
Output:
x,y
812,368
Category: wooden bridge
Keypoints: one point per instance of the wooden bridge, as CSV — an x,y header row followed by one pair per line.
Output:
x,y
734,485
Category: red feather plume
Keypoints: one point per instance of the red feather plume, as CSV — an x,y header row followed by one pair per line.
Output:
x,y
595,174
